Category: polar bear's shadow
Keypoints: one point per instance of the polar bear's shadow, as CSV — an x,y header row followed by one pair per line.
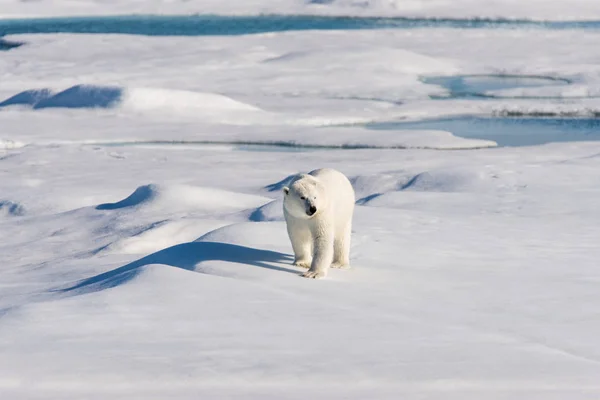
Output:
x,y
185,256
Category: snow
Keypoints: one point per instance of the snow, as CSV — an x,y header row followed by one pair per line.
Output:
x,y
507,9
479,278
143,252
6,144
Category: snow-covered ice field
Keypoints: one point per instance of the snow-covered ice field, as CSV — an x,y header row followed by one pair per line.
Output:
x,y
143,252
511,9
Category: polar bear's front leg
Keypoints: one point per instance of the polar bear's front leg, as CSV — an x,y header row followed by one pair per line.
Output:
x,y
323,256
341,248
301,239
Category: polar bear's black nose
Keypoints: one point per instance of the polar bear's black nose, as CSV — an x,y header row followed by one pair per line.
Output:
x,y
312,210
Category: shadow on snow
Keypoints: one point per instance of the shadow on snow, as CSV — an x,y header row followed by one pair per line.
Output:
x,y
185,256
78,96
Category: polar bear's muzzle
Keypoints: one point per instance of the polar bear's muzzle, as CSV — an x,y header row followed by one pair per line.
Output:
x,y
311,210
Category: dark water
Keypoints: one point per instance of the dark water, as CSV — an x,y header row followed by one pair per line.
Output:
x,y
509,131
199,25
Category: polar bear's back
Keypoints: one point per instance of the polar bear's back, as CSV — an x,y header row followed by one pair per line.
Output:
x,y
339,190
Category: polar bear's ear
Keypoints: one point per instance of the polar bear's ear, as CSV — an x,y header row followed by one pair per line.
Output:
x,y
286,190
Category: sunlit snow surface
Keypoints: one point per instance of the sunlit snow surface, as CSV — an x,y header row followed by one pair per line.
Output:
x,y
573,10
143,252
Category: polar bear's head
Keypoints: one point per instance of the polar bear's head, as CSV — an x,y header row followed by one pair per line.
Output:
x,y
305,197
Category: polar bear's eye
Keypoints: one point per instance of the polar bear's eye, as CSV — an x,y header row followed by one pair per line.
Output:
x,y
302,198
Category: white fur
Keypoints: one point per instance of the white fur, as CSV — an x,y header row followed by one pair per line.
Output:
x,y
321,240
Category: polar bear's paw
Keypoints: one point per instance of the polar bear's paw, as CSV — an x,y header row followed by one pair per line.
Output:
x,y
340,265
303,263
314,274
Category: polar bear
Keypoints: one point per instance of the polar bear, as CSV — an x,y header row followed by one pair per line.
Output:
x,y
318,209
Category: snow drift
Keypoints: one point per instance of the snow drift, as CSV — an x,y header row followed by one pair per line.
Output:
x,y
174,197
211,106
